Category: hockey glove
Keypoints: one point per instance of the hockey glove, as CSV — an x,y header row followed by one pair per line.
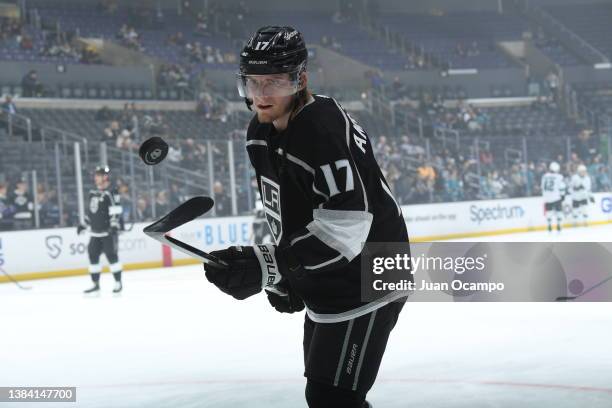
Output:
x,y
115,227
81,228
250,270
284,299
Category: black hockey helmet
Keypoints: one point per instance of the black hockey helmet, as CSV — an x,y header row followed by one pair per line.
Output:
x,y
272,50
102,169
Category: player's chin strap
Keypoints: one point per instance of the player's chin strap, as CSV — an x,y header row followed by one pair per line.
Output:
x,y
249,103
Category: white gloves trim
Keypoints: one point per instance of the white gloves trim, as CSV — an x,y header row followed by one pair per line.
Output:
x,y
270,275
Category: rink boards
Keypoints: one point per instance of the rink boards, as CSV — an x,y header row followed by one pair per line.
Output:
x,y
61,252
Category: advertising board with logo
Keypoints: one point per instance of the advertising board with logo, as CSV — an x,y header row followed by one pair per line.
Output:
x,y
61,249
428,222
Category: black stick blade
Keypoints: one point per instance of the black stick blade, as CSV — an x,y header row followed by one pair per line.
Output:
x,y
188,211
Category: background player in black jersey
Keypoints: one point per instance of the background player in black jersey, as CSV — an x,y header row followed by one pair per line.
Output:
x,y
323,196
103,218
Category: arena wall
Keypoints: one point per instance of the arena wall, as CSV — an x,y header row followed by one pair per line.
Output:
x,y
47,253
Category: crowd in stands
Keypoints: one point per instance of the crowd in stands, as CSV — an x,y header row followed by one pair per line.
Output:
x,y
17,205
31,85
174,76
10,28
128,37
451,175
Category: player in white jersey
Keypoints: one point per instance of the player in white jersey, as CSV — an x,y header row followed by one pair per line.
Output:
x,y
553,192
580,187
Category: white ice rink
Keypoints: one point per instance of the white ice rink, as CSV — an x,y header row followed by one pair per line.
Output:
x,y
173,340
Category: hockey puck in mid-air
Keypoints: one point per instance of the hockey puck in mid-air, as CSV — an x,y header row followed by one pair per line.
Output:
x,y
153,151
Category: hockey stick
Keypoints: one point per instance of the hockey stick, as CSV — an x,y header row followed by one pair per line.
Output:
x,y
20,286
188,211
566,298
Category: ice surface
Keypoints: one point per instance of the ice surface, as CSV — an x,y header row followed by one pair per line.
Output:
x,y
172,340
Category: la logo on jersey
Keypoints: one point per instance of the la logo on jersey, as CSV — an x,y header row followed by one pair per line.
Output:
x,y
94,205
270,197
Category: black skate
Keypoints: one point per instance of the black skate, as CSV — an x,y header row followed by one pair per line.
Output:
x,y
118,287
94,289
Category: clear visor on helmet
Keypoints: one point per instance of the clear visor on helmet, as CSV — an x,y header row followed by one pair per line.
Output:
x,y
250,86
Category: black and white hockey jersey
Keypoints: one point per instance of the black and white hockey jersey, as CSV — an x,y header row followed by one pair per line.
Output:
x,y
580,187
103,212
324,195
23,205
553,187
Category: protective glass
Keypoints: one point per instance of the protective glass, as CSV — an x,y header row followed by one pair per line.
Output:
x,y
266,85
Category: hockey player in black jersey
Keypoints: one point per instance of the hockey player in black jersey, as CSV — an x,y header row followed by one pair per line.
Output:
x,y
324,195
103,219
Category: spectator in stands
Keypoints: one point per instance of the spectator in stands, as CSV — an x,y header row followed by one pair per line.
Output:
x,y
57,46
585,147
175,154
25,42
496,185
427,174
31,86
486,160
552,82
162,203
158,125
126,199
90,55
8,105
174,76
376,78
410,149
24,207
124,140
603,179
112,132
194,51
204,106
129,116
132,39
195,153
176,39
6,209
530,179
599,174
49,208
219,111
128,36
176,195
122,33
421,192
143,212
516,183
202,29
222,200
